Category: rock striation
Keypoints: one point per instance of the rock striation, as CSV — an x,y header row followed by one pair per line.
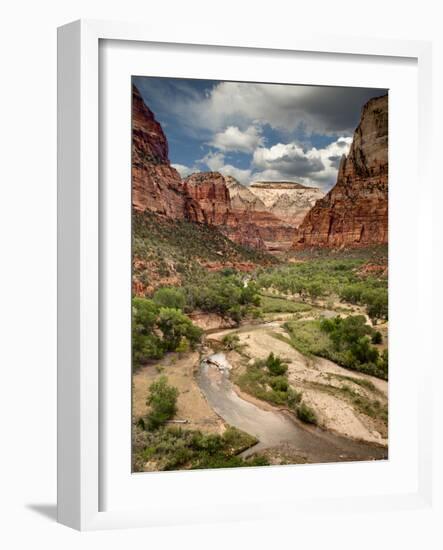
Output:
x,y
289,201
156,185
255,216
209,191
355,211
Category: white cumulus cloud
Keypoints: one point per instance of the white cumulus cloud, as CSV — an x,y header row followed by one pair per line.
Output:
x,y
290,162
183,170
216,163
234,139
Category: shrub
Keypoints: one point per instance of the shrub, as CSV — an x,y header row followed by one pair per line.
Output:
x,y
144,314
174,326
172,297
279,383
306,414
232,342
183,346
275,365
227,295
162,400
293,397
146,344
377,338
145,347
157,330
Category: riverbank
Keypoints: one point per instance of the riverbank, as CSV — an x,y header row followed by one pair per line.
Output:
x,y
340,397
281,435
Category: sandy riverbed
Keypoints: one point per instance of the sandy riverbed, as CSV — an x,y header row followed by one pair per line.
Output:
x,y
334,412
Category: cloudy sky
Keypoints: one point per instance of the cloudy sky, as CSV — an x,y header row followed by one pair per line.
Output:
x,y
256,132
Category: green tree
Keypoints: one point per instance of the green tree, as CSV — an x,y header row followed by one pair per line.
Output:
x,y
170,297
175,325
377,337
144,313
306,414
146,344
162,400
275,365
183,346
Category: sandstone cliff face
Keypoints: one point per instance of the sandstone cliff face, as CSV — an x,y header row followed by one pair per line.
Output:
x,y
289,201
156,185
209,190
355,211
276,233
242,198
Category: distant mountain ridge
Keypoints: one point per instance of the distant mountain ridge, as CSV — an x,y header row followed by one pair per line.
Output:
x,y
289,201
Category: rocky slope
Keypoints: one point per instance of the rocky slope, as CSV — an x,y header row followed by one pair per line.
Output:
x,y
287,200
355,211
242,197
156,185
237,212
209,190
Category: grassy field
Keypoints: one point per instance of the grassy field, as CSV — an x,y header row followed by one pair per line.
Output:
x,y
271,304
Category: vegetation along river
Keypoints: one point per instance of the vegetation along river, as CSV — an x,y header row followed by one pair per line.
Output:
x,y
274,427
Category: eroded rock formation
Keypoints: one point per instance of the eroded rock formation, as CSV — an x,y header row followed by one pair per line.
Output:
x,y
289,201
355,211
156,185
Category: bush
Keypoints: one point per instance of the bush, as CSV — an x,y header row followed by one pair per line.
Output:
x,y
306,414
162,400
157,330
175,326
174,448
227,295
279,383
275,365
344,341
377,338
269,373
146,344
346,331
172,297
145,347
376,301
231,342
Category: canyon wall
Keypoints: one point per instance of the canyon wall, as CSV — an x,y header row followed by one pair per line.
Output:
x,y
289,201
355,211
156,185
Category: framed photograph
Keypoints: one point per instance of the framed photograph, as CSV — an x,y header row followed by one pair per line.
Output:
x,y
238,231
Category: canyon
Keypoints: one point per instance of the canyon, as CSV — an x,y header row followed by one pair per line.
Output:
x,y
263,216
271,216
355,211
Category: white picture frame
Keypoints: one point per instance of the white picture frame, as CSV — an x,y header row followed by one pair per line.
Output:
x,y
80,395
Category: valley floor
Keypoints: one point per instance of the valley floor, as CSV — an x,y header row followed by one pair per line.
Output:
x,y
349,405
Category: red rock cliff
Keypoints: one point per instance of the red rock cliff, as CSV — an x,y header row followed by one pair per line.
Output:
x,y
225,203
209,190
355,211
156,185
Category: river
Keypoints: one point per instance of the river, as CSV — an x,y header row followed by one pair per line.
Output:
x,y
272,427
